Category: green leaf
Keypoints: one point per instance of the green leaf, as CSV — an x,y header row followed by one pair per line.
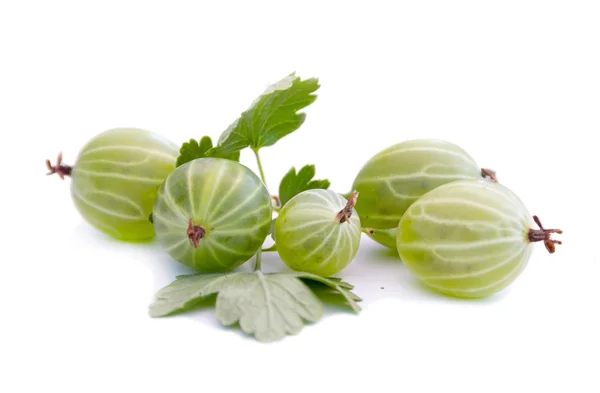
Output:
x,y
268,306
191,150
294,183
343,288
273,115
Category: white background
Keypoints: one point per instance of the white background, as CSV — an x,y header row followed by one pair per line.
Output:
x,y
515,83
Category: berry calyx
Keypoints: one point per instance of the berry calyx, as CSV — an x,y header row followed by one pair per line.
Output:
x,y
543,234
489,173
195,233
60,169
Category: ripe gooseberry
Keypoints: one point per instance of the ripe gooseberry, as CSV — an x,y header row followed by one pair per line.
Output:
x,y
115,180
469,238
212,214
397,176
318,231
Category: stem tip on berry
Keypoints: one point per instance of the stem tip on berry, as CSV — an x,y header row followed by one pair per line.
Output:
x,y
345,214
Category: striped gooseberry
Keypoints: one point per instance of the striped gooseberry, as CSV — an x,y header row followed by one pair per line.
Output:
x,y
397,176
469,238
212,214
116,177
318,231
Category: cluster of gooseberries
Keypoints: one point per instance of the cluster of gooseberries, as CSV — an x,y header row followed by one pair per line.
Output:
x,y
453,224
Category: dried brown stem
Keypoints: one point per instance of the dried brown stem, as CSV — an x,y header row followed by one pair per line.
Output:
x,y
275,202
60,169
345,214
544,235
486,172
195,233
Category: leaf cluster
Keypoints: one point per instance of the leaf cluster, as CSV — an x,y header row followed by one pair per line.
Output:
x,y
268,306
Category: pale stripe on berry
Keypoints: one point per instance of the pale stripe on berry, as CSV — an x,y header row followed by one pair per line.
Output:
x,y
119,176
129,149
105,210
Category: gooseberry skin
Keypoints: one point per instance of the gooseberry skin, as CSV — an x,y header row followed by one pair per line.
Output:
x,y
310,239
466,239
223,197
397,176
115,180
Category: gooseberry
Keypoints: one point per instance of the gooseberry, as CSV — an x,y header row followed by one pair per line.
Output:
x,y
469,238
318,231
212,214
115,180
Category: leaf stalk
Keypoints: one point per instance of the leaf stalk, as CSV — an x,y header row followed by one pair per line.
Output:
x,y
258,260
260,167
